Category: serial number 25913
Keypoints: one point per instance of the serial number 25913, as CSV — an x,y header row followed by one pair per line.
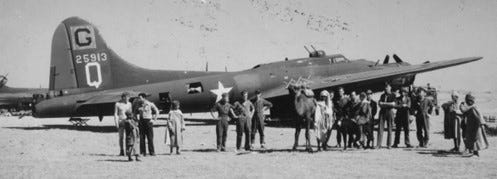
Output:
x,y
91,57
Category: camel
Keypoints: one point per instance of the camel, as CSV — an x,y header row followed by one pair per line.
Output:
x,y
304,107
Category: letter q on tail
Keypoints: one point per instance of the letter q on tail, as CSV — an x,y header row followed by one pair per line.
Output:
x,y
94,82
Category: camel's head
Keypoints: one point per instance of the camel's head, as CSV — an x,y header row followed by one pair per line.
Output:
x,y
297,87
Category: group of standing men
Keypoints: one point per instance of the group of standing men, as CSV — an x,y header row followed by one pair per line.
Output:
x,y
136,120
250,119
462,120
355,122
354,119
353,115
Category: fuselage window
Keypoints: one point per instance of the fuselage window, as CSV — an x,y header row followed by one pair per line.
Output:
x,y
193,88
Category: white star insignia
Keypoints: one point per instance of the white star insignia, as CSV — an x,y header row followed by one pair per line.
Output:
x,y
220,90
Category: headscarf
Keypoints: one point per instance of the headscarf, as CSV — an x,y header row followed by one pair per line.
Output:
x,y
454,93
326,96
455,96
470,97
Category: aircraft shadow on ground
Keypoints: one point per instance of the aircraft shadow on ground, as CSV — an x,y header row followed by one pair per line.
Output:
x,y
300,149
103,155
437,153
100,129
200,122
211,122
105,129
113,160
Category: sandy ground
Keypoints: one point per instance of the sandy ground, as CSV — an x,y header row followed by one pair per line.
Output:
x,y
53,148
47,148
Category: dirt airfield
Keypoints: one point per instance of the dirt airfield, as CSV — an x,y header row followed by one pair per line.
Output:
x,y
53,148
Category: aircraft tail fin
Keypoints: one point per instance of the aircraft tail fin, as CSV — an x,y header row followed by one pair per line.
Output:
x,y
80,57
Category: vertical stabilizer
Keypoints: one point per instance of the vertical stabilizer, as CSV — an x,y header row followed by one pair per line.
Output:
x,y
80,58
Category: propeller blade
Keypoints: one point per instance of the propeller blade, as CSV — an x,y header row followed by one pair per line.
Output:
x,y
397,59
385,61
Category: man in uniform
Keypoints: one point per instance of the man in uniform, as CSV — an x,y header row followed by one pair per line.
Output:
x,y
422,108
258,118
353,107
370,125
402,118
224,109
387,102
148,113
341,115
245,112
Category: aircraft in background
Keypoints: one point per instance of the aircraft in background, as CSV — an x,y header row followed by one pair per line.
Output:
x,y
89,77
17,99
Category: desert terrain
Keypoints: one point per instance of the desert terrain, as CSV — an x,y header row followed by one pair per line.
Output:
x,y
53,148
236,35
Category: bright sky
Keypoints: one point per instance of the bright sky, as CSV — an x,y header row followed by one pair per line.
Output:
x,y
184,34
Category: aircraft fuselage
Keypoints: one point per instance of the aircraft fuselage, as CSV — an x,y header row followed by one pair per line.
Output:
x,y
198,94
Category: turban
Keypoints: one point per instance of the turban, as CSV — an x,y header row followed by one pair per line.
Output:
x,y
454,93
324,93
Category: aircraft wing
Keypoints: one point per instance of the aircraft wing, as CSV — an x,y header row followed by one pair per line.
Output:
x,y
377,74
104,98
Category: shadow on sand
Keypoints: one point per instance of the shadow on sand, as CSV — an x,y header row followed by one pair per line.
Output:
x,y
300,149
114,160
209,122
437,153
100,129
104,155
200,122
106,129
201,150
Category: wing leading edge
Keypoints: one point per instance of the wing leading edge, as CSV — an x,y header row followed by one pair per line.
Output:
x,y
377,74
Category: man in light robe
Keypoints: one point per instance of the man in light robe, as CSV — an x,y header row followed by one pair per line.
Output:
x,y
323,119
452,121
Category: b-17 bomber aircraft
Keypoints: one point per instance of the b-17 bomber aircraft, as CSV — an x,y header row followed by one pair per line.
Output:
x,y
18,98
89,77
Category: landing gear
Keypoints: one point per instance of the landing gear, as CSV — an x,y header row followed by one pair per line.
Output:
x,y
78,121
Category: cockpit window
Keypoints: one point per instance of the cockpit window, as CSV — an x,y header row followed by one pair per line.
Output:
x,y
340,60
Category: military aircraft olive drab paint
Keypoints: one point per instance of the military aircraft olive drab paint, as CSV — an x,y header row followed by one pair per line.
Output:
x,y
92,77
15,99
